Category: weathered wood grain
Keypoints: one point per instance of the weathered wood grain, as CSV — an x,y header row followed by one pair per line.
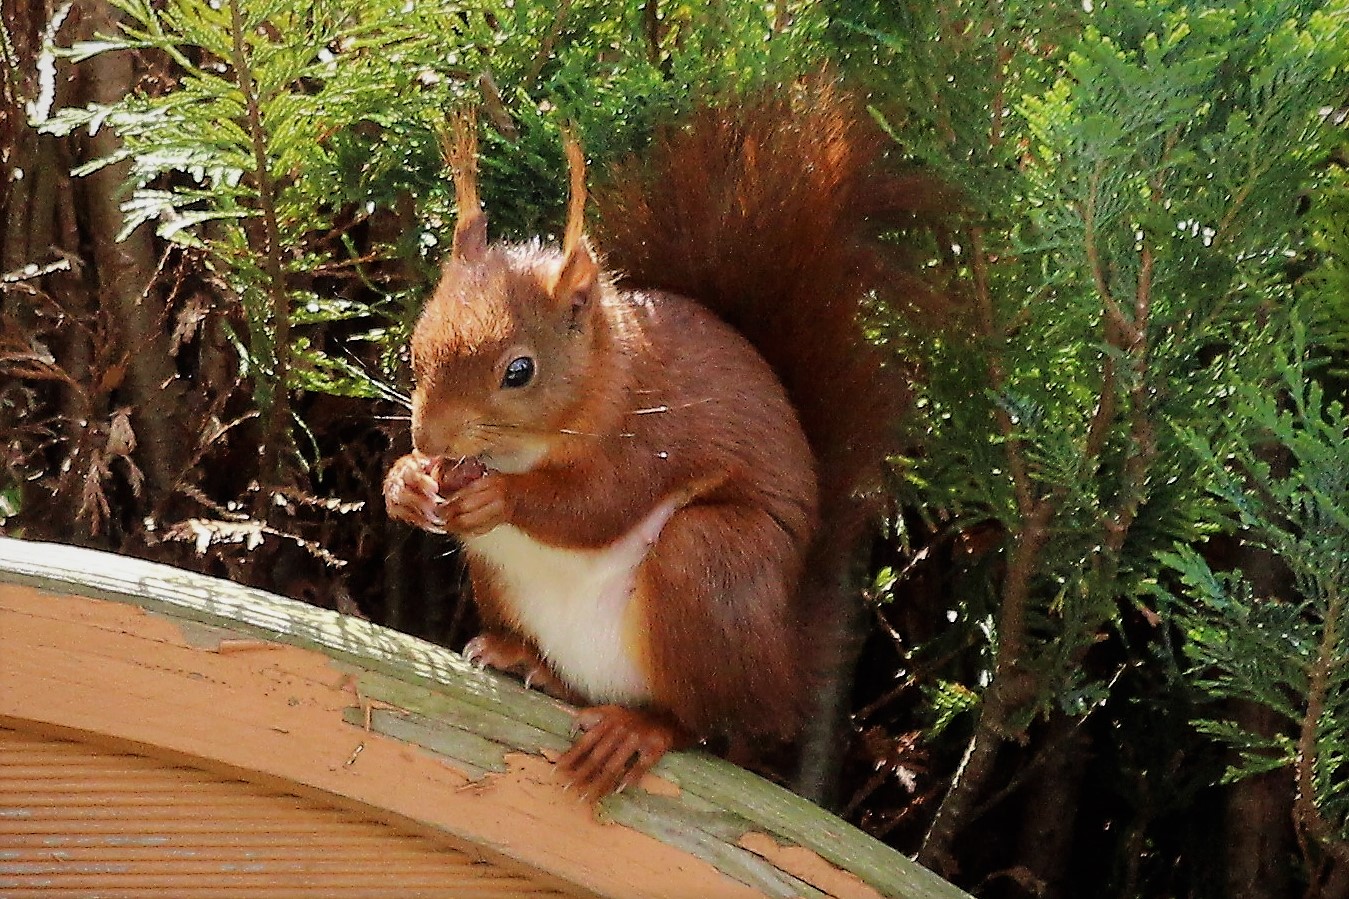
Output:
x,y
425,695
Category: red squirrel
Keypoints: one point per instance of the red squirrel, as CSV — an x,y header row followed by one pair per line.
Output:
x,y
638,494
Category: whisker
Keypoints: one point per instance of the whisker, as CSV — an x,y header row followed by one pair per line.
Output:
x,y
574,433
384,388
654,410
392,394
570,432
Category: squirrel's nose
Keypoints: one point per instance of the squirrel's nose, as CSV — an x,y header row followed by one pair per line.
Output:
x,y
445,434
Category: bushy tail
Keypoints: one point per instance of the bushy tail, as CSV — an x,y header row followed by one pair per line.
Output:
x,y
767,210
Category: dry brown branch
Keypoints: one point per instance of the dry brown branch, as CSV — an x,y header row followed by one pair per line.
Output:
x,y
495,107
204,533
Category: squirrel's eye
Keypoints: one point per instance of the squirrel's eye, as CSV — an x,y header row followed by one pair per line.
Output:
x,y
519,372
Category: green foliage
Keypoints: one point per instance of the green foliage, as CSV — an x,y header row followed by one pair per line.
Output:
x,y
10,502
1131,177
1326,289
949,701
1155,155
1282,469
289,127
249,156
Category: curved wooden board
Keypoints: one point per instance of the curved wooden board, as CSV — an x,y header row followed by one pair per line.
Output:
x,y
479,775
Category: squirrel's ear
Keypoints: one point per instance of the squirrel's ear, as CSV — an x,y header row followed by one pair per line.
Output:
x,y
470,236
577,282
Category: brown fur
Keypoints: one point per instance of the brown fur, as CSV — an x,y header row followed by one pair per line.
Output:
x,y
641,396
766,212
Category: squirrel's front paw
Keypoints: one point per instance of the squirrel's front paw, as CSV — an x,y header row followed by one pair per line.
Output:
x,y
412,494
476,508
416,487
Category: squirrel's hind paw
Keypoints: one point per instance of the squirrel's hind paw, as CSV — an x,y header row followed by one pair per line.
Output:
x,y
617,746
513,656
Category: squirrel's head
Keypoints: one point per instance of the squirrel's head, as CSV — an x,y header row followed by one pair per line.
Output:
x,y
505,349
509,347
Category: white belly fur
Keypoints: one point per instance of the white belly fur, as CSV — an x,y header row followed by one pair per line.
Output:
x,y
574,603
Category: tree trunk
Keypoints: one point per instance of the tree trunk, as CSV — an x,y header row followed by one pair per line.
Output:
x,y
97,326
44,306
140,334
1260,809
1051,814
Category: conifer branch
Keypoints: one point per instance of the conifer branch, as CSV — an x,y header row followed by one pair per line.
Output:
x,y
1098,430
1008,692
651,29
1307,817
545,51
1011,685
275,398
1115,317
997,378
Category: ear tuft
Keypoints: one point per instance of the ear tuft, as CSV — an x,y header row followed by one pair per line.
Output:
x,y
459,144
576,201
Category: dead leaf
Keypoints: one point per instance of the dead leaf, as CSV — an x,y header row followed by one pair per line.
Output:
x,y
93,501
113,376
188,321
121,437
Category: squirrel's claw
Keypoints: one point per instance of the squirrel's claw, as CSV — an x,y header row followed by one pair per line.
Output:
x,y
473,653
511,656
443,497
412,495
616,748
477,508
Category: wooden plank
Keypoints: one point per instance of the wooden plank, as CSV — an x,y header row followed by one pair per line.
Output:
x,y
706,835
443,693
111,674
450,706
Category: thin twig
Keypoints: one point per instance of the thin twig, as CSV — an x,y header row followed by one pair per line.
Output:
x,y
997,377
1115,316
1143,448
1007,692
1307,818
546,45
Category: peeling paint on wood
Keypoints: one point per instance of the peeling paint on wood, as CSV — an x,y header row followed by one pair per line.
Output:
x,y
448,746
